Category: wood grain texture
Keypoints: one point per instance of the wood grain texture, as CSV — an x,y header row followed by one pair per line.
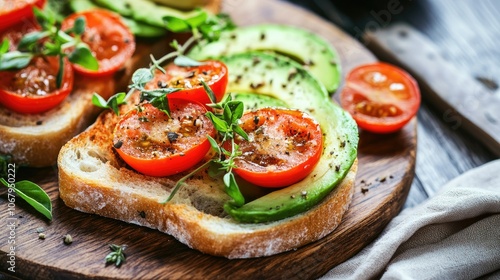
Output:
x,y
386,169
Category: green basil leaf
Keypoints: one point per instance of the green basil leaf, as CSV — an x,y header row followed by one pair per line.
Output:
x,y
161,102
214,144
28,41
46,19
60,72
185,61
176,24
227,114
98,101
232,189
215,169
79,26
197,20
51,49
33,195
141,76
4,46
219,124
209,91
240,132
115,101
14,60
82,56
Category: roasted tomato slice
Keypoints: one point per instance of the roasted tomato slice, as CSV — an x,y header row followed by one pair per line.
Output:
x,y
382,98
156,145
285,145
33,89
214,73
109,39
14,11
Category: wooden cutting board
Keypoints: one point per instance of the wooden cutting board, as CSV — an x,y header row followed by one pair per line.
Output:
x,y
386,169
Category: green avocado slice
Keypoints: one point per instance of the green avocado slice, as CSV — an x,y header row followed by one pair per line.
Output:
x,y
305,47
138,28
276,77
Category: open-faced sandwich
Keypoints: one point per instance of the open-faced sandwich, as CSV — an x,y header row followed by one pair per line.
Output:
x,y
242,155
48,75
52,63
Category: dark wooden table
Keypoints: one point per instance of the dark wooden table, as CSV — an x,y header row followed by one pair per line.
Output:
x,y
467,34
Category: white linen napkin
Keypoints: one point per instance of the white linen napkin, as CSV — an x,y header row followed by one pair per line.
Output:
x,y
455,234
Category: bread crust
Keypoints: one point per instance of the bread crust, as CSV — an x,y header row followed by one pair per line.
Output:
x,y
93,179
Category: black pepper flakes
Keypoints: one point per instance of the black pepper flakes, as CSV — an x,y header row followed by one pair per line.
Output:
x,y
118,144
256,120
142,214
172,136
256,86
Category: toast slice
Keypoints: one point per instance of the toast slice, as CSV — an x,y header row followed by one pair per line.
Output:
x,y
93,179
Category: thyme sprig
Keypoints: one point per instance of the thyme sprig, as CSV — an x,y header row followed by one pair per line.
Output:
x,y
117,255
49,41
225,117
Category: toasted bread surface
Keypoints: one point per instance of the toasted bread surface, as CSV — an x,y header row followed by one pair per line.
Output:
x,y
93,179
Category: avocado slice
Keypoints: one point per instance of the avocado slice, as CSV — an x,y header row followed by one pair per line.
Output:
x,y
280,78
307,48
138,28
254,101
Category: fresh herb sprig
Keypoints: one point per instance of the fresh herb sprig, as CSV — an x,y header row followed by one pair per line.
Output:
x,y
33,194
225,117
117,255
202,26
49,41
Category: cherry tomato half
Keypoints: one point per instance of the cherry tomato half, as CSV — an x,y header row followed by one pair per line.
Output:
x,y
109,39
285,145
382,98
13,11
214,73
33,89
156,145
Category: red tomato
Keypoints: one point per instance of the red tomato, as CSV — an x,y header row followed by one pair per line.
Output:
x,y
156,145
33,89
13,11
285,145
214,73
109,39
380,97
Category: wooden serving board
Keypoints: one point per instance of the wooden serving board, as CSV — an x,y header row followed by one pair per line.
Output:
x,y
386,170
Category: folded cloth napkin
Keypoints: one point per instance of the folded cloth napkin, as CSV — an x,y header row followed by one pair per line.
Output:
x,y
455,234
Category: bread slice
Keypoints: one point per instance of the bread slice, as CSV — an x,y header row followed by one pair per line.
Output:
x,y
93,179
